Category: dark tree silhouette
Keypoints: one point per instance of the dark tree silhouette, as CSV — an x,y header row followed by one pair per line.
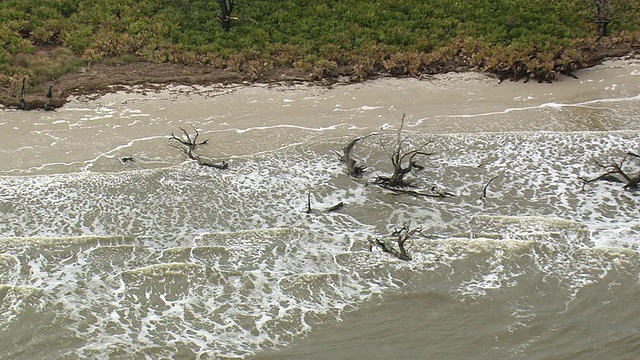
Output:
x,y
226,8
403,161
190,143
400,238
615,173
602,17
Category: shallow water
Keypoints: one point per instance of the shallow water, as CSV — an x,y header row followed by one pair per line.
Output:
x,y
162,258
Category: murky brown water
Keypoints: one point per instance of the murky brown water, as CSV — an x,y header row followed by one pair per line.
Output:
x,y
162,258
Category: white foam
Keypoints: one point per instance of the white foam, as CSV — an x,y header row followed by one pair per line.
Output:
x,y
234,302
551,105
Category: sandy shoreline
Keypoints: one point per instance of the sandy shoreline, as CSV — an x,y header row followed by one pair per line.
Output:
x,y
90,132
99,79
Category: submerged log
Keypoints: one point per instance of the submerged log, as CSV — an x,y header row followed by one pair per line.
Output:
x,y
433,192
335,207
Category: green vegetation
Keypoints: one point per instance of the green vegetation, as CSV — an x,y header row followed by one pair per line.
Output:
x,y
323,38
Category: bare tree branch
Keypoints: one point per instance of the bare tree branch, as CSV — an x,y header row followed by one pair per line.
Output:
x,y
400,238
615,173
401,167
190,143
484,190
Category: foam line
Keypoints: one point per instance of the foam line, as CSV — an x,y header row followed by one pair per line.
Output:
x,y
551,105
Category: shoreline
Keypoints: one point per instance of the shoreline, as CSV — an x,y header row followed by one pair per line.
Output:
x,y
103,78
91,132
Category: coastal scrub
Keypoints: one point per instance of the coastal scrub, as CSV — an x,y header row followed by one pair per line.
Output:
x,y
320,40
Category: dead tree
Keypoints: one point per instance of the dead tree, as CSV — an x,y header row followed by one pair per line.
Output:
x,y
226,8
190,143
23,104
49,105
400,238
602,18
353,170
403,162
615,173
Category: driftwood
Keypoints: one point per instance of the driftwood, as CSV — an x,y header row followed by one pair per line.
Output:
x,y
484,190
433,192
400,238
353,170
190,143
127,159
615,173
403,162
335,207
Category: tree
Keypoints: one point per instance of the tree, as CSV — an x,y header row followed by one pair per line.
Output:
x,y
404,161
602,17
226,8
615,173
400,166
400,238
190,143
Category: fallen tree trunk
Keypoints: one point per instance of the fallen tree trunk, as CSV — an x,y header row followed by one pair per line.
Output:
x,y
434,192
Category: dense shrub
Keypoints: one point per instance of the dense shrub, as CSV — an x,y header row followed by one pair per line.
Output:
x,y
399,36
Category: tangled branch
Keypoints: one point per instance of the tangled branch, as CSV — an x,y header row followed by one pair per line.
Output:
x,y
403,162
190,143
401,236
614,173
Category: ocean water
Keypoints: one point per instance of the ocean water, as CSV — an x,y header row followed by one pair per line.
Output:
x,y
160,257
